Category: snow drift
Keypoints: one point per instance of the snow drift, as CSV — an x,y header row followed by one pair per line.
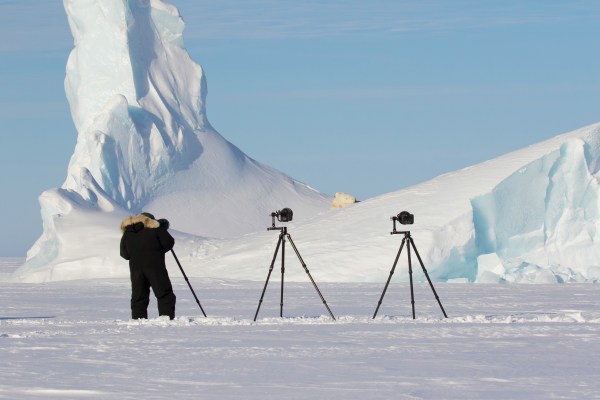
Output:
x,y
144,142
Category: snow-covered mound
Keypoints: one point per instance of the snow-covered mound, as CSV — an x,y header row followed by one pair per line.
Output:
x,y
528,216
144,142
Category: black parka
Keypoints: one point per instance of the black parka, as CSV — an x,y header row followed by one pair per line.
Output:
x,y
144,243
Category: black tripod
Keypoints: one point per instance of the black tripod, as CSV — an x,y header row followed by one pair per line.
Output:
x,y
188,282
281,243
408,241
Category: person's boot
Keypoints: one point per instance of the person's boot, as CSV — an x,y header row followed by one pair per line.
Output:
x,y
136,314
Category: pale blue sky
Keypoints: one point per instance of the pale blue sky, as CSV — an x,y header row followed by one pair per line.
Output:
x,y
365,97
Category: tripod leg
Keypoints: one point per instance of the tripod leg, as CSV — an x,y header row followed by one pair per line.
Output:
x,y
188,282
412,291
268,276
389,278
282,273
428,279
309,275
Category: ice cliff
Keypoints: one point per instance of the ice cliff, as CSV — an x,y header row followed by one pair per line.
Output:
x,y
542,222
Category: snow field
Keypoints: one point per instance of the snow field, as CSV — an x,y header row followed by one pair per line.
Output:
x,y
74,339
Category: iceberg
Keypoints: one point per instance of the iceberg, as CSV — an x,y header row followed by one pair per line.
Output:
x,y
138,102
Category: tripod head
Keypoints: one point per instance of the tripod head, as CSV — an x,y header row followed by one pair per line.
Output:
x,y
405,233
277,228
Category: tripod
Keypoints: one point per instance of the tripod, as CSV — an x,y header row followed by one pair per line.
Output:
x,y
408,241
188,282
281,243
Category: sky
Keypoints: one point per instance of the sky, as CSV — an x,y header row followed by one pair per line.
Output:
x,y
359,97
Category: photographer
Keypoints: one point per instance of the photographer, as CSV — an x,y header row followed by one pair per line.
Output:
x,y
144,243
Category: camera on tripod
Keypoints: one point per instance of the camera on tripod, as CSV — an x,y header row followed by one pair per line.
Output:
x,y
405,218
284,215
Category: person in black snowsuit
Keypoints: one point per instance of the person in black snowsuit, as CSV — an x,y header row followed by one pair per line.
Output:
x,y
144,243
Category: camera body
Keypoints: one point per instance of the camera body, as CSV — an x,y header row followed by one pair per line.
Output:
x,y
164,223
405,218
284,215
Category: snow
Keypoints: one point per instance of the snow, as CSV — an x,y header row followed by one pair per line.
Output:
x,y
74,339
